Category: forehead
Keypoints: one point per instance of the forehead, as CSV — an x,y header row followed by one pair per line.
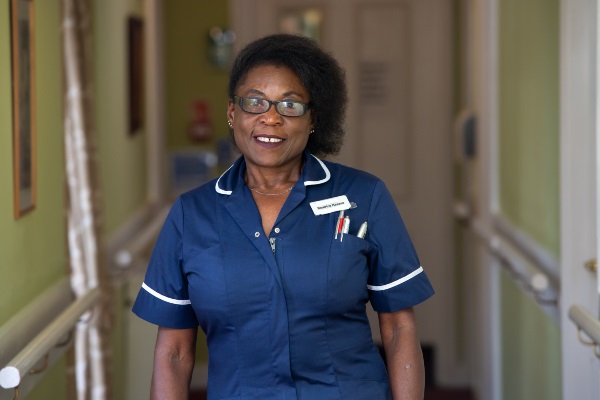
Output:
x,y
271,78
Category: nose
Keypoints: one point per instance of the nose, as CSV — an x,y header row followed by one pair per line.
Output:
x,y
271,116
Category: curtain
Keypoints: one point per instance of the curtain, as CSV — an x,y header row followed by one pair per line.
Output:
x,y
84,204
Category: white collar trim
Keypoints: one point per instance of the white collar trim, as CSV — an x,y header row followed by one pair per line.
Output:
x,y
218,189
327,175
306,183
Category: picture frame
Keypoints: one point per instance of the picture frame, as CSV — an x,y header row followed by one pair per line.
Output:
x,y
306,21
23,103
135,37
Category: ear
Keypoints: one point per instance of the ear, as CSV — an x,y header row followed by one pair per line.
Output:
x,y
230,111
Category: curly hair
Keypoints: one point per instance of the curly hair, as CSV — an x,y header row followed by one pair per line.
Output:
x,y
320,73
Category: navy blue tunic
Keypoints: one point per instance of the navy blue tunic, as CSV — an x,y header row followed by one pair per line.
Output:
x,y
284,318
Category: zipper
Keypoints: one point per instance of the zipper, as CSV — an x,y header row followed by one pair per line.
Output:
x,y
272,241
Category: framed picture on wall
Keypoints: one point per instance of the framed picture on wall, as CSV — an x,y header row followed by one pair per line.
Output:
x,y
135,33
23,102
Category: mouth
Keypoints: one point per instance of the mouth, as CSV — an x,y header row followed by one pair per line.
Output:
x,y
265,139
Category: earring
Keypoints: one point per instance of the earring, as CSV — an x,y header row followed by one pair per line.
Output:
x,y
312,130
229,123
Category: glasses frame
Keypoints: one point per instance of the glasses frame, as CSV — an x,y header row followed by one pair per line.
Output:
x,y
239,101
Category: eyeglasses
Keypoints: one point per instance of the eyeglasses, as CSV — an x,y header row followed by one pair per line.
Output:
x,y
287,108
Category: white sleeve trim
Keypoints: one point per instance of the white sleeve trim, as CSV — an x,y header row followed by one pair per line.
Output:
x,y
398,282
165,298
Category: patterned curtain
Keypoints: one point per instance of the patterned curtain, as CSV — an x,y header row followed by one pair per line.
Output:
x,y
84,213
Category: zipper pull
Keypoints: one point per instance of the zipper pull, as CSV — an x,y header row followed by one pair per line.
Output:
x,y
272,241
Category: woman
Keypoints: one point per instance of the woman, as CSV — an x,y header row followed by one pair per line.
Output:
x,y
272,259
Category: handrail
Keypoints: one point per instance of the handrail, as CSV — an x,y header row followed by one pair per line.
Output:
x,y
521,266
21,328
12,375
529,247
126,255
586,322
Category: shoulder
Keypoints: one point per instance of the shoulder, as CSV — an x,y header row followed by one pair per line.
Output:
x,y
197,199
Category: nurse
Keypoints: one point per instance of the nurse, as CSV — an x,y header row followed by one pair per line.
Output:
x,y
276,259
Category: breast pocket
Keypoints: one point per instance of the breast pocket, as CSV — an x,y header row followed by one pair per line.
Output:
x,y
348,272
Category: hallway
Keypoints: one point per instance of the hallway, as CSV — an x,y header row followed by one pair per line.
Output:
x,y
479,115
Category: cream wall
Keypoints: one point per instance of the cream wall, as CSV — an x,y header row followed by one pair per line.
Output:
x,y
529,185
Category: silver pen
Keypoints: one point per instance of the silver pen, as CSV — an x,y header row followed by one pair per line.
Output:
x,y
362,231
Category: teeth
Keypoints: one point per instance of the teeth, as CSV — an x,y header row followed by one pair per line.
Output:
x,y
269,140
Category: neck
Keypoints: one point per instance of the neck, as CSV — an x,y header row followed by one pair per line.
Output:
x,y
272,179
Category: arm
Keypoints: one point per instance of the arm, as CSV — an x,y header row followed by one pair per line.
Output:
x,y
174,358
403,354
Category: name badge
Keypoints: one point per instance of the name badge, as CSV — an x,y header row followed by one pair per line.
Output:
x,y
328,206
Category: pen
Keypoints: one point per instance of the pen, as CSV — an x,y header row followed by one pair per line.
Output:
x,y
346,227
362,231
339,224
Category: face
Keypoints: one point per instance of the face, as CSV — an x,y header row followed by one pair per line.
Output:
x,y
270,140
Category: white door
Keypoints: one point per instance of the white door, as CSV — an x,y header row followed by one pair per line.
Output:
x,y
398,59
579,201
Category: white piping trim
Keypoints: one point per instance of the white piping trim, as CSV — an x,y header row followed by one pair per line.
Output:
x,y
327,175
218,189
165,298
398,282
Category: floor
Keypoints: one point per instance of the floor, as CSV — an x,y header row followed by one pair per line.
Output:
x,y
430,394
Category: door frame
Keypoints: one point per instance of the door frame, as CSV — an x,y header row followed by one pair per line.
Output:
x,y
578,153
484,327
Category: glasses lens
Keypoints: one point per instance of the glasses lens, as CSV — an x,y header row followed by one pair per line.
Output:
x,y
286,108
291,108
255,106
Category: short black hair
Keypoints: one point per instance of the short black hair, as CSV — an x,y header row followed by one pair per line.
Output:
x,y
321,74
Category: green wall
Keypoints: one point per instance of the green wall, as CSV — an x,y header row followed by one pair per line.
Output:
x,y
33,247
529,185
190,75
529,109
122,154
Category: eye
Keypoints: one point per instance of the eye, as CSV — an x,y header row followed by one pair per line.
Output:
x,y
289,104
254,102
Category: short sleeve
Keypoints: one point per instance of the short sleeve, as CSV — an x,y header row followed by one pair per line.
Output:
x,y
396,278
163,299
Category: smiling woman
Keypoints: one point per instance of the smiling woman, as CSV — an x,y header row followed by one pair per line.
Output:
x,y
280,297
272,143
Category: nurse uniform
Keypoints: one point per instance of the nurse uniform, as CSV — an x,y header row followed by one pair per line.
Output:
x,y
284,314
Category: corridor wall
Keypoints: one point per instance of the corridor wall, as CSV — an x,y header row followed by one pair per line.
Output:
x,y
529,185
122,153
33,247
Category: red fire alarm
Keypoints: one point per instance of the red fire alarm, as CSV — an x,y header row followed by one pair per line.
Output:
x,y
201,128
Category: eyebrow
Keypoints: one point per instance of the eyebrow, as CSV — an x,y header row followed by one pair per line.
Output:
x,y
288,93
